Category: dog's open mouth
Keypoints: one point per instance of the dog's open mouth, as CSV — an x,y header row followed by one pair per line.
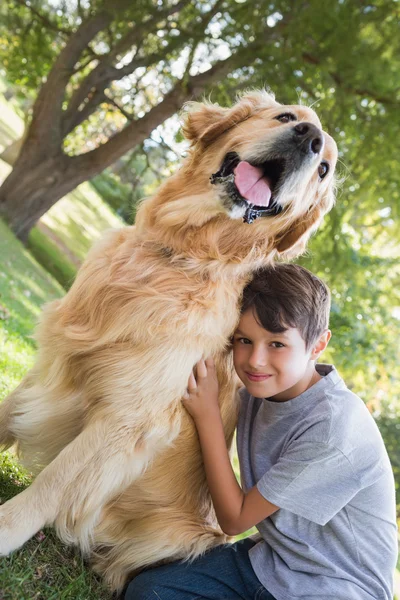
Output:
x,y
251,185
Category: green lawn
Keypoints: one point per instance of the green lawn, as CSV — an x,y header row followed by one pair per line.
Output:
x,y
63,236
44,569
24,287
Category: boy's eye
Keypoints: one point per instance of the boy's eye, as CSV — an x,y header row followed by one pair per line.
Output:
x,y
277,345
243,340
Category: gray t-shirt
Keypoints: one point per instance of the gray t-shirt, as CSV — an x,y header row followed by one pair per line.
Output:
x,y
321,459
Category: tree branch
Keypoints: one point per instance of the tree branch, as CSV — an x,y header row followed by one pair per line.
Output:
x,y
45,19
104,71
121,109
48,106
137,33
338,79
137,131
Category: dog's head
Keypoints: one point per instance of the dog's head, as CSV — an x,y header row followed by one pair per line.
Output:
x,y
259,165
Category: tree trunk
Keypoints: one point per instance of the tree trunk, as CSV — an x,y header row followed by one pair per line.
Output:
x,y
31,189
30,192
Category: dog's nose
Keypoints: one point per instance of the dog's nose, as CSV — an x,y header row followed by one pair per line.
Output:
x,y
311,135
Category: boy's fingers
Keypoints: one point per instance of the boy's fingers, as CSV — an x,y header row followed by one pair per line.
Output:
x,y
192,384
209,362
201,369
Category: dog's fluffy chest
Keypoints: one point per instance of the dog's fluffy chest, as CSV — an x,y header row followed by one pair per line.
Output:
x,y
174,301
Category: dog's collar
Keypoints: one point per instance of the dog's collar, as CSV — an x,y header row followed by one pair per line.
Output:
x,y
252,213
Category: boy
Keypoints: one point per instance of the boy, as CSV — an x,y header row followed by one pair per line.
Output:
x,y
316,478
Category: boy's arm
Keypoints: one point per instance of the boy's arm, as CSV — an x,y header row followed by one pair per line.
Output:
x,y
236,511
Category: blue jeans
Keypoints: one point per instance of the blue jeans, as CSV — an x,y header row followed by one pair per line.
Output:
x,y
223,573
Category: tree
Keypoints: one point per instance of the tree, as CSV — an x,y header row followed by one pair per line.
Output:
x,y
141,61
77,86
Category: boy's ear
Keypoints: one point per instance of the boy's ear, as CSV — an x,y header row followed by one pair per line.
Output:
x,y
321,344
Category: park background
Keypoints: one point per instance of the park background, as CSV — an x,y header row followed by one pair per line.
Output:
x,y
90,92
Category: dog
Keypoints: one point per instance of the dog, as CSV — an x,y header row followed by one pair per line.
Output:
x,y
100,417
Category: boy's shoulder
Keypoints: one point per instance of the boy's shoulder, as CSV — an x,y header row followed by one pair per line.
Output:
x,y
327,413
342,420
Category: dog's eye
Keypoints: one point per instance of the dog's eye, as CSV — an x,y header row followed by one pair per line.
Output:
x,y
286,117
323,170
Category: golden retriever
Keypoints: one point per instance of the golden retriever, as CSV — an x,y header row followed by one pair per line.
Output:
x,y
99,416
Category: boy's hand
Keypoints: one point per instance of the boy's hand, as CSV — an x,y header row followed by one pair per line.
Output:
x,y
201,398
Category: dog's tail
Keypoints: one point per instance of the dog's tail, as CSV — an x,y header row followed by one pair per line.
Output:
x,y
128,557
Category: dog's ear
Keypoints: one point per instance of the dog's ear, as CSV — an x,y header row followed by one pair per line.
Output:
x,y
293,240
205,122
199,117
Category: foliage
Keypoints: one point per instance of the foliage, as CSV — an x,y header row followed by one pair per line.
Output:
x,y
28,47
136,176
144,59
120,196
388,421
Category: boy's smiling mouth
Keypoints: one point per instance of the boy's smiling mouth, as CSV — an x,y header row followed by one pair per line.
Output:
x,y
257,376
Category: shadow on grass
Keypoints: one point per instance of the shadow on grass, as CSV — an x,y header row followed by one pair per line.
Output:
x,y
24,286
49,254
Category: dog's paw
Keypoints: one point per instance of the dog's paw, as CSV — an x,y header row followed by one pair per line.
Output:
x,y
10,530
16,526
6,538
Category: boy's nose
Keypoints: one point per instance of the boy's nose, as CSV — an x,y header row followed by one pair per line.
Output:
x,y
257,359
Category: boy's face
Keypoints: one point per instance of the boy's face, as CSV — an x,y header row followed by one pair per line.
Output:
x,y
274,365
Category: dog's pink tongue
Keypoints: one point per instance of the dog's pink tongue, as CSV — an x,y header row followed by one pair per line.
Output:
x,y
251,184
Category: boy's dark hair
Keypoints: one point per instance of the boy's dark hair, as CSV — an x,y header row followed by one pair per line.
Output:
x,y
287,295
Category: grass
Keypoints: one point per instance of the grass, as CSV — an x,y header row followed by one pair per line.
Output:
x,y
62,238
24,287
78,220
44,568
51,257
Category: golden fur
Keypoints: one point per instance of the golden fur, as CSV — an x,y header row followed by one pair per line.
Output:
x,y
99,417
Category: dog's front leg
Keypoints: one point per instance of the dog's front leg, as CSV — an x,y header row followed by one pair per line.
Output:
x,y
70,492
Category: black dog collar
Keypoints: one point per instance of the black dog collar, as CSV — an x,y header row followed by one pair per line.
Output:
x,y
253,213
